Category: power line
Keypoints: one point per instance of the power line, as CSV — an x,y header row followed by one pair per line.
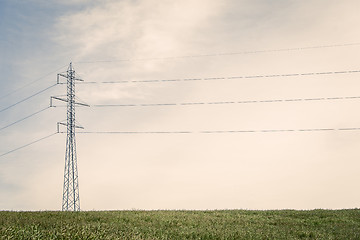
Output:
x,y
22,119
27,98
223,131
224,54
224,78
134,132
28,144
30,83
190,132
227,102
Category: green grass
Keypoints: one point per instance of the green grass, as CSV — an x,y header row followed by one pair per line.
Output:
x,y
227,224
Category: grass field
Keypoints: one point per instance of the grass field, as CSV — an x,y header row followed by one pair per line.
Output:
x,y
227,224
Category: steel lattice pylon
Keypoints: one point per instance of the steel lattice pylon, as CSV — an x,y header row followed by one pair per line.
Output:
x,y
71,197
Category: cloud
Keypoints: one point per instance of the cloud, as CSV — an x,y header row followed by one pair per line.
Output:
x,y
195,171
123,29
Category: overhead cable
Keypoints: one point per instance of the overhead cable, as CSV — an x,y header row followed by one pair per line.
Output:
x,y
227,102
222,54
30,83
223,78
222,131
28,144
27,98
22,119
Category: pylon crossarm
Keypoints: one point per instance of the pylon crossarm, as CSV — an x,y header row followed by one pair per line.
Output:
x,y
65,124
60,75
82,104
60,99
65,100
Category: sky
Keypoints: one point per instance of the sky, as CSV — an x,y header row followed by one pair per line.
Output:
x,y
231,46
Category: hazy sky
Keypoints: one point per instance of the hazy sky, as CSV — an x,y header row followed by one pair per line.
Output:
x,y
254,170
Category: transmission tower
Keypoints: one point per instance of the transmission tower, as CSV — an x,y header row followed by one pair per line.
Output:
x,y
71,197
